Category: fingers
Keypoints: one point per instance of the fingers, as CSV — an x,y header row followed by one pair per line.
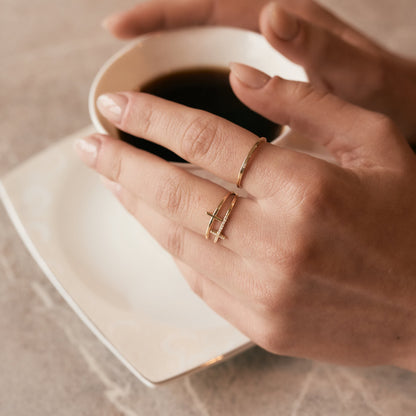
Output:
x,y
155,15
209,260
350,72
173,192
311,12
201,138
221,266
354,136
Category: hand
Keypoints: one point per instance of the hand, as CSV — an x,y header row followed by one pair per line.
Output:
x,y
319,259
169,14
336,57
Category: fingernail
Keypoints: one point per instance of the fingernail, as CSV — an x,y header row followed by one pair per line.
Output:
x,y
284,25
112,106
249,76
87,149
108,22
105,23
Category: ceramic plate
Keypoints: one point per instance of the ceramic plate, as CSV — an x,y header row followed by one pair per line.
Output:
x,y
110,271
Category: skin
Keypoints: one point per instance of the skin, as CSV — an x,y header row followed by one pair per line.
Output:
x,y
319,258
356,69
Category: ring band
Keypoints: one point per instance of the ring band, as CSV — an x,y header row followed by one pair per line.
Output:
x,y
247,159
218,235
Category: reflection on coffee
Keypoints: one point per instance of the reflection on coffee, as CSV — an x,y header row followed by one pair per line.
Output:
x,y
205,89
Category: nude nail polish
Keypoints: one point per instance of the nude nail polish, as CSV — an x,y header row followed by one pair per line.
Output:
x,y
87,149
112,106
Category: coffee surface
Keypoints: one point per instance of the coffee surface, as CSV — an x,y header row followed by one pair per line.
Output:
x,y
204,89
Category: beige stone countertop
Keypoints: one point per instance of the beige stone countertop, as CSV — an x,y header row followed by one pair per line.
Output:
x,y
50,364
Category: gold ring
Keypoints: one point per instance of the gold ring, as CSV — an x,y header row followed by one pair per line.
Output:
x,y
247,159
218,235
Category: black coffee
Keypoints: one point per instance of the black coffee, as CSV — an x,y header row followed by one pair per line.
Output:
x,y
204,89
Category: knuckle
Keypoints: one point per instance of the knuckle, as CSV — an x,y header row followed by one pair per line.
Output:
x,y
320,195
302,248
174,240
198,139
138,113
307,94
301,90
172,196
312,206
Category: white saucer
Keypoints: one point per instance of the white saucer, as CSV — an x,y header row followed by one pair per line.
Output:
x,y
124,287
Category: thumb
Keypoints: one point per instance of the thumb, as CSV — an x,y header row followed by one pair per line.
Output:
x,y
331,62
354,136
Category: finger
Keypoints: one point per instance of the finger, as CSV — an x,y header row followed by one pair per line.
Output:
x,y
349,72
169,14
354,136
173,192
157,15
208,141
312,12
216,263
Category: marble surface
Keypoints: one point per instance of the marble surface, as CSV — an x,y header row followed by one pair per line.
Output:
x,y
50,364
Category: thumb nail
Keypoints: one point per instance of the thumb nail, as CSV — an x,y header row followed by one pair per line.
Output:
x,y
284,25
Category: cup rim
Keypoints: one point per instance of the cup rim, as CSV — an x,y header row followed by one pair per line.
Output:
x,y
133,44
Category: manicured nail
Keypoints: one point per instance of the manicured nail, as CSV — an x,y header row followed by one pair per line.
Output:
x,y
87,149
112,106
284,25
249,76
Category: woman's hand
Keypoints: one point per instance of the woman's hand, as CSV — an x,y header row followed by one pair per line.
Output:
x,y
336,57
154,15
319,259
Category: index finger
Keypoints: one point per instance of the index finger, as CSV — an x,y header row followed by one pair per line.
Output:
x,y
154,15
211,142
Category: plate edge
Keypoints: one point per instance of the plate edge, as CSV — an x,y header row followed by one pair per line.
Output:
x,y
13,215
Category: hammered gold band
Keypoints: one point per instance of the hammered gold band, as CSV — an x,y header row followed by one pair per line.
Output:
x,y
218,235
247,160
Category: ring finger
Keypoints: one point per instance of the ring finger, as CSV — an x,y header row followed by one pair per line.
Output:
x,y
218,264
